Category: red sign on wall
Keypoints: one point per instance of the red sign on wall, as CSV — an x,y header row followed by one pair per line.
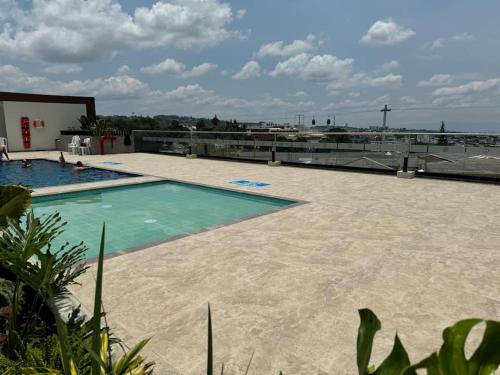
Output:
x,y
25,131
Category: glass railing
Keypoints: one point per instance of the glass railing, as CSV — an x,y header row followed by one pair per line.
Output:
x,y
454,154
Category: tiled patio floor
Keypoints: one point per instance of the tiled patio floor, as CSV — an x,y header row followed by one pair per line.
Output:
x,y
420,253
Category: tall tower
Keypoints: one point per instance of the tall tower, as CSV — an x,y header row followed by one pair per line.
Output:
x,y
385,110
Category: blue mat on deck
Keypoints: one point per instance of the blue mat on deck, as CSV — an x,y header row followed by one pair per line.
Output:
x,y
250,183
110,163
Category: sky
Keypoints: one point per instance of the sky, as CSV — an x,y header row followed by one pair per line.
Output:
x,y
263,60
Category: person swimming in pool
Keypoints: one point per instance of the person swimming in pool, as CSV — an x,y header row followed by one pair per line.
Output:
x,y
80,167
3,152
25,163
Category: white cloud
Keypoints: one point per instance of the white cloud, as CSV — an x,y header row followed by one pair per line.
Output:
x,y
190,92
364,79
124,69
280,49
458,38
436,80
240,13
409,100
468,88
112,88
167,66
382,81
62,69
354,94
249,70
438,43
463,37
199,70
349,103
85,30
390,66
386,33
319,68
175,68
299,94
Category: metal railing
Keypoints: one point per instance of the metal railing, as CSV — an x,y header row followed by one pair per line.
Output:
x,y
448,154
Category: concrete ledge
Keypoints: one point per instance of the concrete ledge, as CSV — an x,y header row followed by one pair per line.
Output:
x,y
274,163
191,156
407,175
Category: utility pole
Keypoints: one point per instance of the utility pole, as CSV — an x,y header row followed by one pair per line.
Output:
x,y
299,117
385,110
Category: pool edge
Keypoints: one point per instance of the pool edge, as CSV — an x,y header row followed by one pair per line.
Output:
x,y
150,245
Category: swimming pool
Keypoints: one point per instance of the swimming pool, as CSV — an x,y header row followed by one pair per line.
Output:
x,y
144,214
44,173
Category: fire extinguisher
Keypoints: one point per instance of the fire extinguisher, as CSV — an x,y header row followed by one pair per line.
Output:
x,y
25,131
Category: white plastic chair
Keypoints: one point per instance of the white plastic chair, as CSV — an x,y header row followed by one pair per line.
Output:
x,y
3,142
74,145
86,146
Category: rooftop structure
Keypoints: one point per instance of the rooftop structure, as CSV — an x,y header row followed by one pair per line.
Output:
x,y
34,122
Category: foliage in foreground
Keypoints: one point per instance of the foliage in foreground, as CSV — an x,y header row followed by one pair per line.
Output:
x,y
14,200
33,285
449,360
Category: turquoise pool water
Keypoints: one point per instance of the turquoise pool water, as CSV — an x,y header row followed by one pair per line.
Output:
x,y
138,215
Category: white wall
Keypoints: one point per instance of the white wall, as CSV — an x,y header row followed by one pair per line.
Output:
x,y
3,131
57,117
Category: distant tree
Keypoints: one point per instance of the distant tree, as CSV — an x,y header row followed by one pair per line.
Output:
x,y
442,138
85,122
202,125
215,121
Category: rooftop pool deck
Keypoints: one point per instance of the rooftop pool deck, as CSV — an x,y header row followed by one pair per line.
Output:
x,y
420,253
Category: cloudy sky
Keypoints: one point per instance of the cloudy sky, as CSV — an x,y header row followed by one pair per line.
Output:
x,y
263,59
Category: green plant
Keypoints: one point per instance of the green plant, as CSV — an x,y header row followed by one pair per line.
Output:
x,y
14,200
86,123
449,360
25,252
102,362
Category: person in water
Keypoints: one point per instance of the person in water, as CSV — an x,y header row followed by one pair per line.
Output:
x,y
25,163
79,166
62,161
3,152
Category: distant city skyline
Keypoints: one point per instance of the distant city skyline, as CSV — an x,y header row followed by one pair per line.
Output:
x,y
263,61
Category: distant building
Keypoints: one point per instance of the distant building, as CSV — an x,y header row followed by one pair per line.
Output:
x,y
32,122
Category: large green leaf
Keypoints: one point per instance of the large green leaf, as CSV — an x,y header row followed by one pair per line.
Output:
x,y
431,364
396,362
96,319
486,358
210,354
369,325
452,355
14,200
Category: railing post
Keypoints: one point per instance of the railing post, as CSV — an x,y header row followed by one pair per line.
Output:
x,y
404,173
190,154
273,162
405,164
273,152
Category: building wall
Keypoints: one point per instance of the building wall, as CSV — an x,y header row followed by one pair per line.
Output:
x,y
57,117
3,130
